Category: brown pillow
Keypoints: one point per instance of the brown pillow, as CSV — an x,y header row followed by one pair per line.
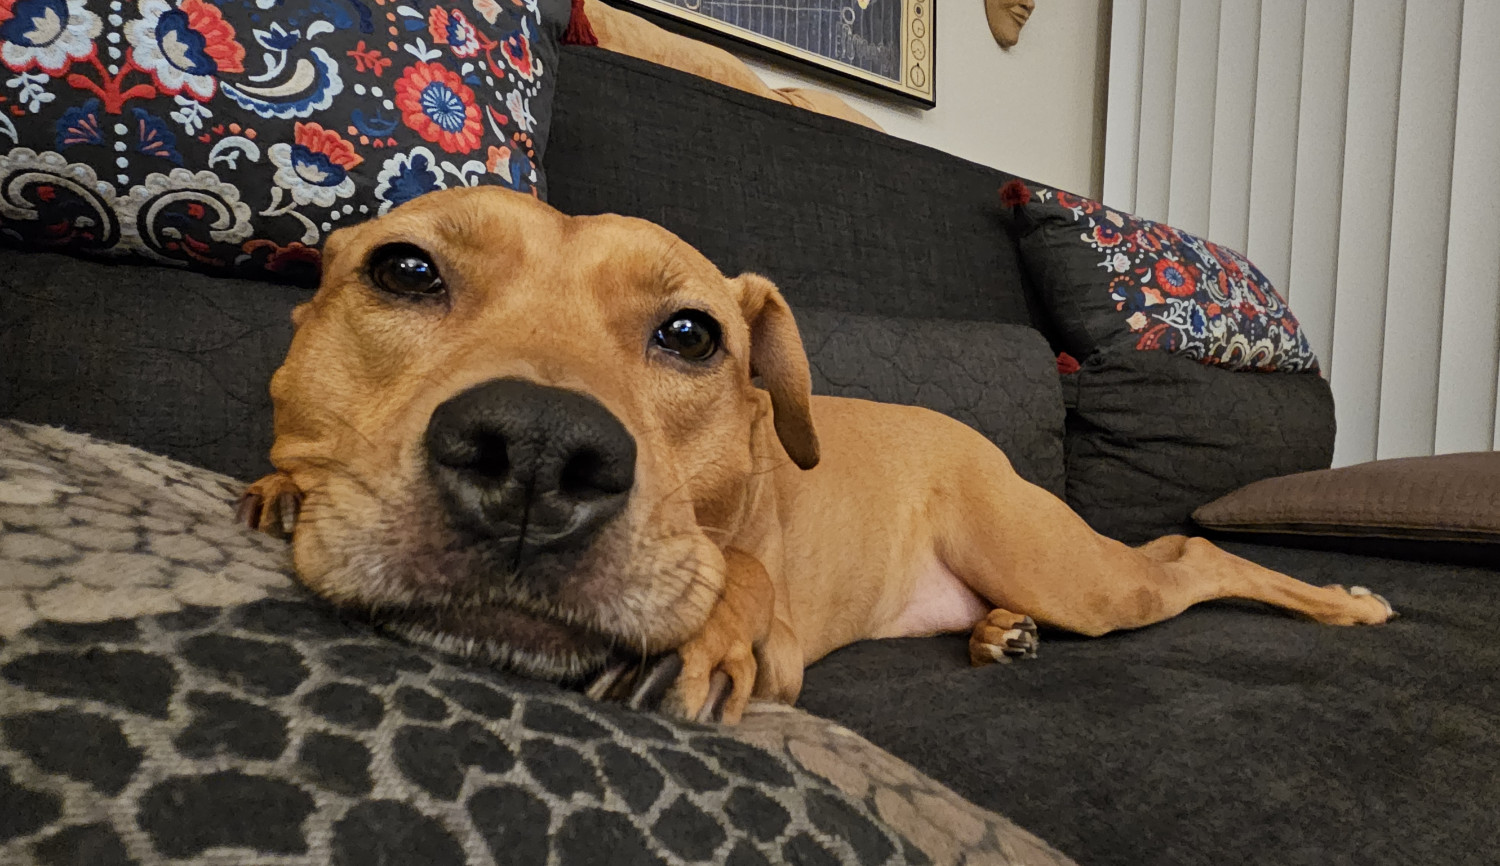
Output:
x,y
1448,498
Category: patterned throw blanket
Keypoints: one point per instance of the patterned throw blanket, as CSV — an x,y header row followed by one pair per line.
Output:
x,y
168,691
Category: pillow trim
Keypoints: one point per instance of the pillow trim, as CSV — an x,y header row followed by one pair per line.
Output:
x,y
1390,531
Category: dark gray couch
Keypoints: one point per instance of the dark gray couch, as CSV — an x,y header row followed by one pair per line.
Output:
x,y
1232,734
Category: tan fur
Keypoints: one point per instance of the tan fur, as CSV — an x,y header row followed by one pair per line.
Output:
x,y
746,559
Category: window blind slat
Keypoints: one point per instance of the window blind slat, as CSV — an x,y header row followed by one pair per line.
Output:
x,y
1419,229
1470,358
1320,171
1193,116
1123,106
1153,173
1365,226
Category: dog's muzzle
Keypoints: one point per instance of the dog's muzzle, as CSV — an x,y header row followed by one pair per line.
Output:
x,y
529,469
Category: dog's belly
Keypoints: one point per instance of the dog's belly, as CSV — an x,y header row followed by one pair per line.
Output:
x,y
939,603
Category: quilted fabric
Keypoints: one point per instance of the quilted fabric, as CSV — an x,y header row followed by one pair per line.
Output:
x,y
837,216
171,361
88,356
234,136
166,691
1152,436
999,379
1231,735
1110,279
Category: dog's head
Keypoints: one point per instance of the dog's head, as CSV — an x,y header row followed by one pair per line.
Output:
x,y
522,435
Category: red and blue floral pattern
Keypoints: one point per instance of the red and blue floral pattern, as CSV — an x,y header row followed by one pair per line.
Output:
x,y
234,135
1148,285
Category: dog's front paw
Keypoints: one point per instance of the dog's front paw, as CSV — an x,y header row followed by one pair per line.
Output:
x,y
1003,637
271,505
711,677
705,680
718,676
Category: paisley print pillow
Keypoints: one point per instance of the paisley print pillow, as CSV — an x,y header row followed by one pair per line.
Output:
x,y
231,136
1110,279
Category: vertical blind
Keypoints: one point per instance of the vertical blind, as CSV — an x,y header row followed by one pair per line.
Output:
x,y
1351,149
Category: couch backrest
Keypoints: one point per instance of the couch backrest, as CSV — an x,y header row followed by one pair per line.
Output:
x,y
173,362
843,218
840,216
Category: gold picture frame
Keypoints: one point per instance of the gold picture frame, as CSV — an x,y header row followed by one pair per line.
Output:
x,y
884,45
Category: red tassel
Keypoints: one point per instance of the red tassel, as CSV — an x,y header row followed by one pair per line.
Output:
x,y
1067,365
1015,193
580,31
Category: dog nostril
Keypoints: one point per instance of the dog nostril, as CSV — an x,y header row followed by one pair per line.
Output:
x,y
582,474
491,458
481,453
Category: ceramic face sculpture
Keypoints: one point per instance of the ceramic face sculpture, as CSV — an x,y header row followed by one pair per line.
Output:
x,y
1007,17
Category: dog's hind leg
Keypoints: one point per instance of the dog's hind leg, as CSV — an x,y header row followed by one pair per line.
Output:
x,y
1024,551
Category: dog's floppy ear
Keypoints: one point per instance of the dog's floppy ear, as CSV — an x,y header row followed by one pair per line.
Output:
x,y
777,357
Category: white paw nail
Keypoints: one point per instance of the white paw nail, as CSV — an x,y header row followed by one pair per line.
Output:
x,y
1362,592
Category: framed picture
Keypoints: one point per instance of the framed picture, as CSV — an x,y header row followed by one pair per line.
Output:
x,y
885,44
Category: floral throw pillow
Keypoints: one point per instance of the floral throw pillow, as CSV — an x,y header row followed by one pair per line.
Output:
x,y
1112,280
232,136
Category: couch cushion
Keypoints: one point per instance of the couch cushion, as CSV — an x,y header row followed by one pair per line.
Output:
x,y
167,691
172,361
1228,736
1152,436
838,216
999,379
232,138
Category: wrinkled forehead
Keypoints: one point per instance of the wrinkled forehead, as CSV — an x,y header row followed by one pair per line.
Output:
x,y
486,235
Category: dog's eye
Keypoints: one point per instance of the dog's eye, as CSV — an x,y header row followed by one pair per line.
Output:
x,y
692,335
403,269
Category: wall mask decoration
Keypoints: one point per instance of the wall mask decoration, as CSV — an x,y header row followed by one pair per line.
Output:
x,y
1007,17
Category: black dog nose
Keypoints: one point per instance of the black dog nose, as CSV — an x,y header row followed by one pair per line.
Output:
x,y
525,464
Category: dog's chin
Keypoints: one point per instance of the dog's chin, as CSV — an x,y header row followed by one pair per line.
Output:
x,y
526,643
561,618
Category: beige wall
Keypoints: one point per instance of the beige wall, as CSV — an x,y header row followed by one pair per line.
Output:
x,y
1036,110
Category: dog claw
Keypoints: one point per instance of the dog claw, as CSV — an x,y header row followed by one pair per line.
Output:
x,y
1022,645
289,508
271,505
646,686
247,512
606,686
1363,592
719,686
1022,641
652,686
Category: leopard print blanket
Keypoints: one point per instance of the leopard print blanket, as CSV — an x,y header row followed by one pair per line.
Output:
x,y
168,693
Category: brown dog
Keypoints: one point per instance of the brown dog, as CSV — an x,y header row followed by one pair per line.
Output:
x,y
535,439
